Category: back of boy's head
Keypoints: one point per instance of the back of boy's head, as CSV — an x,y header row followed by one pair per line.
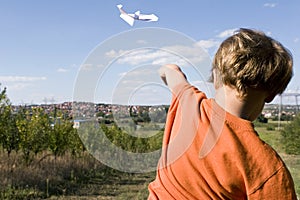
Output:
x,y
250,59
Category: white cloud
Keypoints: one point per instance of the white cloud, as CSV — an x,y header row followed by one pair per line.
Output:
x,y
137,86
140,56
141,82
19,83
90,67
207,44
269,33
19,86
112,53
226,33
141,42
141,92
62,70
177,54
122,74
21,78
270,5
149,95
296,40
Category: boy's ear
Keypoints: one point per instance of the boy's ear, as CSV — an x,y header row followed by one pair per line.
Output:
x,y
269,98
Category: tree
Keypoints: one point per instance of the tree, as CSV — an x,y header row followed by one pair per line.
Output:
x,y
3,96
63,137
40,127
9,134
26,136
9,137
291,136
33,127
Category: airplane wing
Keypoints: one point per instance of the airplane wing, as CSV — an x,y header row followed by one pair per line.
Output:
x,y
120,7
128,19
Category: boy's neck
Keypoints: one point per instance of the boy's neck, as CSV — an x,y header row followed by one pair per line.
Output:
x,y
248,108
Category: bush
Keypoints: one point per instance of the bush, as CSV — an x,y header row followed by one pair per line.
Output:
x,y
291,136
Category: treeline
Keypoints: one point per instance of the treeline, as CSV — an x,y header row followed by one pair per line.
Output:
x,y
32,131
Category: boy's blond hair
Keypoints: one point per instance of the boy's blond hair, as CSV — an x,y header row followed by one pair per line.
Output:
x,y
250,59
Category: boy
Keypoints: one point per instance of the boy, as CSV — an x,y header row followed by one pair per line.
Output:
x,y
210,148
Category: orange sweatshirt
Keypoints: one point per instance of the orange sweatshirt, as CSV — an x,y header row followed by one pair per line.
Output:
x,y
210,154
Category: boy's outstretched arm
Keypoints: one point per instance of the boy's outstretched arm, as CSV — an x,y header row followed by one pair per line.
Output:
x,y
172,75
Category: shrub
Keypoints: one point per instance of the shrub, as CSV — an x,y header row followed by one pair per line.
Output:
x,y
291,136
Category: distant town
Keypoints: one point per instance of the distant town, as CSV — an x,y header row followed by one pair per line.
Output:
x,y
107,113
104,113
286,112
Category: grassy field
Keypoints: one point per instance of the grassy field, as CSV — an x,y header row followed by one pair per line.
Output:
x,y
83,177
68,178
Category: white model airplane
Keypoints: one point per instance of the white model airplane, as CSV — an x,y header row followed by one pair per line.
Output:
x,y
129,18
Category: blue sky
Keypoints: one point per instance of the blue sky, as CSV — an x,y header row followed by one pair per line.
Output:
x,y
45,45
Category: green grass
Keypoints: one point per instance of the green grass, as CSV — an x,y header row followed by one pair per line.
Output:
x,y
271,136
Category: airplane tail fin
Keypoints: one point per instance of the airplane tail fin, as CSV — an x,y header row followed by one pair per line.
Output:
x,y
137,13
120,6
